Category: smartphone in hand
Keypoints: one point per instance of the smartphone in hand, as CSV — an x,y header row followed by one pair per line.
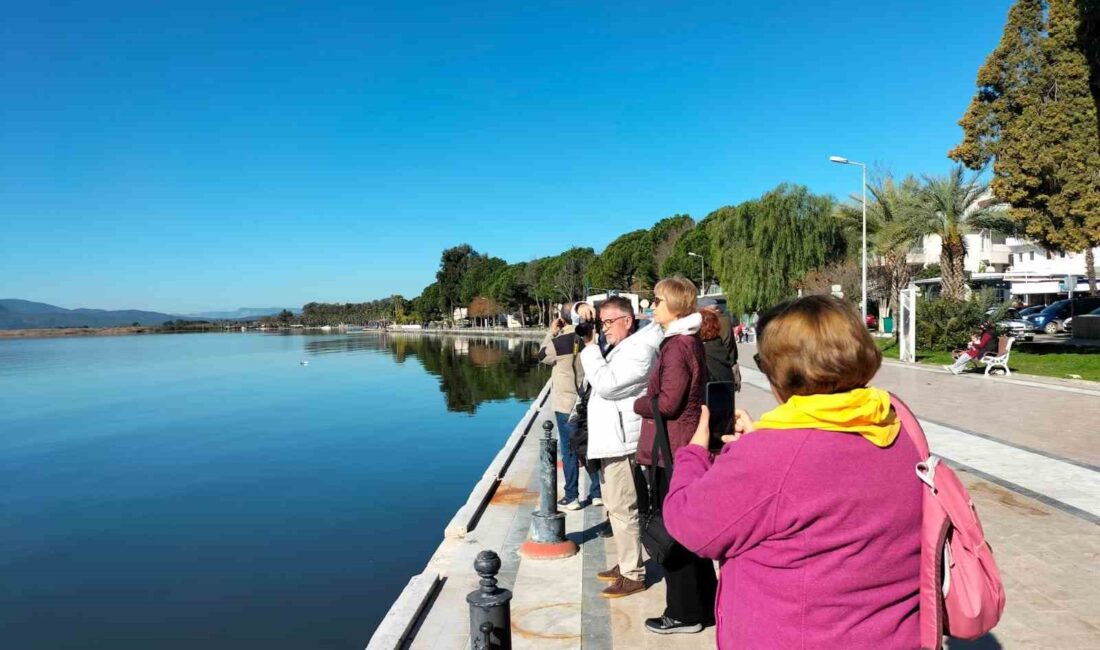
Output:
x,y
720,402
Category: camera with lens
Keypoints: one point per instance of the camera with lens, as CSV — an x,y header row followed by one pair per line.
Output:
x,y
585,329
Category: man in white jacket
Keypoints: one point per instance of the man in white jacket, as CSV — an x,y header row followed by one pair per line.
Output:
x,y
618,377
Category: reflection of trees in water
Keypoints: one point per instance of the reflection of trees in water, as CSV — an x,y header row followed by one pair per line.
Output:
x,y
471,370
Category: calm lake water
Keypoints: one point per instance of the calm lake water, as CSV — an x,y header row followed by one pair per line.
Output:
x,y
210,491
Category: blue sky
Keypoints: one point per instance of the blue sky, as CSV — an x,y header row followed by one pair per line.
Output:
x,y
192,156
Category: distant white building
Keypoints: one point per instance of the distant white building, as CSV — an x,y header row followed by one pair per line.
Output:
x,y
600,297
987,251
1013,266
460,313
1038,273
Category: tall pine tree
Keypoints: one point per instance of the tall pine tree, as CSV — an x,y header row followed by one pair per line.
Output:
x,y
1035,117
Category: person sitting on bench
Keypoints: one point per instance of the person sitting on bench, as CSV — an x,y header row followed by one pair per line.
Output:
x,y
981,343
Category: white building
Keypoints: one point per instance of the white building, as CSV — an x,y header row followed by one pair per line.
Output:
x,y
1013,266
1036,272
987,251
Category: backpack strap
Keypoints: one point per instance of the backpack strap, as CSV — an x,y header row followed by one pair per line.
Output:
x,y
911,425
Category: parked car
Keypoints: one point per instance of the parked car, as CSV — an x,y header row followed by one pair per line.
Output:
x,y
1015,325
1034,309
1052,319
1068,323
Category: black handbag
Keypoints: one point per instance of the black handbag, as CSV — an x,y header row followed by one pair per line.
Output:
x,y
655,538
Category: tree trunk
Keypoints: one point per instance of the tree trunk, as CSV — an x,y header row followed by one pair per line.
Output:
x,y
952,270
1090,269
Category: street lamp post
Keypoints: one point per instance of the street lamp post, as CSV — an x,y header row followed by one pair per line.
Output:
x,y
863,286
702,273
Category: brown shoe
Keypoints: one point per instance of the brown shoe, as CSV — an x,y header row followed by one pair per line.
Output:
x,y
623,587
611,575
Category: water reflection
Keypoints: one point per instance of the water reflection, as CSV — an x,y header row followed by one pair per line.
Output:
x,y
471,370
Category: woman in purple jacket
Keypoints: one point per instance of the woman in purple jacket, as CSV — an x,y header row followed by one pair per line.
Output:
x,y
814,511
679,382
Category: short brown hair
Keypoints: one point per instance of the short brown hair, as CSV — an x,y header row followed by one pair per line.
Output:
x,y
712,326
680,295
816,345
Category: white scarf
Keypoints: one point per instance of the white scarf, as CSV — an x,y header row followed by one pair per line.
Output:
x,y
688,325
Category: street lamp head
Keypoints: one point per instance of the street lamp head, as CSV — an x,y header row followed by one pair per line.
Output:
x,y
839,159
690,254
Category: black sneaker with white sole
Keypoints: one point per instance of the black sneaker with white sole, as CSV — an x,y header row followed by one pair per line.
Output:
x,y
575,504
666,625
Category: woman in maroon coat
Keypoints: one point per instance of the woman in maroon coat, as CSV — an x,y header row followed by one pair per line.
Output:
x,y
679,383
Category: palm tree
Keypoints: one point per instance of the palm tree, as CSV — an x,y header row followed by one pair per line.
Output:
x,y
891,209
951,207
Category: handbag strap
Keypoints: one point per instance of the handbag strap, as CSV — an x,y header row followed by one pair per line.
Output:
x,y
660,438
660,446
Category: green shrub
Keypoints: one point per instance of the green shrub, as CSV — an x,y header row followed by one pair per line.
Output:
x,y
947,325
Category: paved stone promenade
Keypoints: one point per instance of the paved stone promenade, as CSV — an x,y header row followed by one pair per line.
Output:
x,y
1028,450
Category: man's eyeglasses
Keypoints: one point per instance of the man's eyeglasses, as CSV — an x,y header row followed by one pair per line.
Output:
x,y
611,321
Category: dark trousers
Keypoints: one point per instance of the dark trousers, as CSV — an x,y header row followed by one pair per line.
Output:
x,y
690,582
570,465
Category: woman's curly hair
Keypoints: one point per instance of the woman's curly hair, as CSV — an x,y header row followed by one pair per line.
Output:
x,y
711,327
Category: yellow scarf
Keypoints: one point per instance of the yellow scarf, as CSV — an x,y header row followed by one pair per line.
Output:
x,y
865,411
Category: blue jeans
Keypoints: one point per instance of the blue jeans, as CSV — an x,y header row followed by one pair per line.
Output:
x,y
569,464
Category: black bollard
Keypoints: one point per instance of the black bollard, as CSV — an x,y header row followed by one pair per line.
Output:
x,y
547,540
490,607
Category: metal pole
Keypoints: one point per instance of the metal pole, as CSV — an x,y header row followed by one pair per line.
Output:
x,y
702,276
863,300
547,539
548,525
548,454
490,607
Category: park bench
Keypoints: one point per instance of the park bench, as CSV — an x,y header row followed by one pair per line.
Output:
x,y
1000,359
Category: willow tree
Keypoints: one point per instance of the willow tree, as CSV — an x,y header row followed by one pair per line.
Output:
x,y
1035,117
762,247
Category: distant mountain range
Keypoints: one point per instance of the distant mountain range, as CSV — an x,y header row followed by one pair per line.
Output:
x,y
24,314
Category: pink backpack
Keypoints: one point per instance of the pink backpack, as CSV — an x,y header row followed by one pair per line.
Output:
x,y
961,594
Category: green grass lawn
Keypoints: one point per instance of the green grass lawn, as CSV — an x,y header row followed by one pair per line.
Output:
x,y
1048,360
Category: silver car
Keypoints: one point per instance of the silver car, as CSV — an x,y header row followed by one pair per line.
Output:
x,y
1015,325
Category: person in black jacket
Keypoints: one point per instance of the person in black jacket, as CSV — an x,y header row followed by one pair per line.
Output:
x,y
720,343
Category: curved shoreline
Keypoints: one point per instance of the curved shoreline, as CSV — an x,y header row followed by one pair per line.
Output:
x,y
129,330
51,332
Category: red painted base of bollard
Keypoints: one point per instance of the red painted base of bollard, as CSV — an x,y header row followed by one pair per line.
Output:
x,y
560,465
548,551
